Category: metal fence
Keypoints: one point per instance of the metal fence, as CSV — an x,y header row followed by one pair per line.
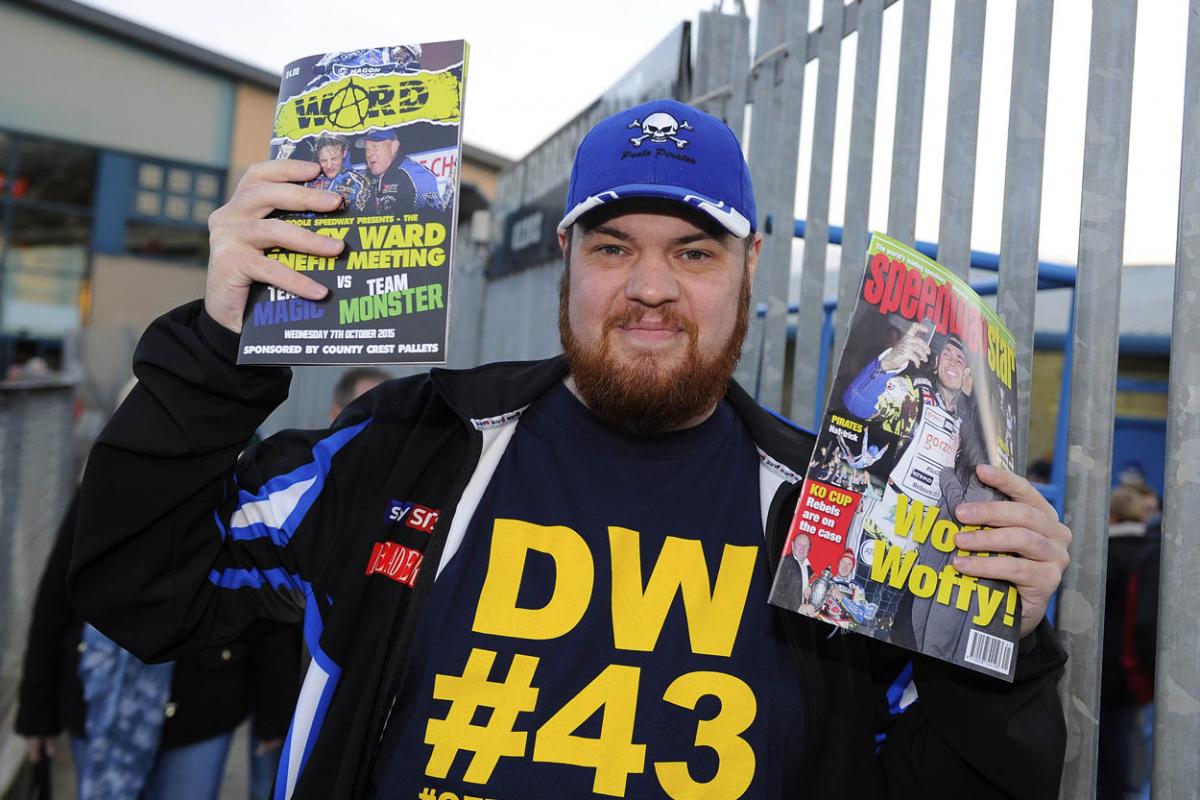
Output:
x,y
37,465
765,91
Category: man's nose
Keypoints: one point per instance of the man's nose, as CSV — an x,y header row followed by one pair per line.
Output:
x,y
651,281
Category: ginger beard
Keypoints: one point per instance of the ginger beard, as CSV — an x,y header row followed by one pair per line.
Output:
x,y
643,398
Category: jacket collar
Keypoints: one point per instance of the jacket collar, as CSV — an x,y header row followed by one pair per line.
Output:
x,y
494,391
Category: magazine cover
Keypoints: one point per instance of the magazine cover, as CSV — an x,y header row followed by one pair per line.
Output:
x,y
922,394
384,123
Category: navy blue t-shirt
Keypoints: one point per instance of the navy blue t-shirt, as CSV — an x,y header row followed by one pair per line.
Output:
x,y
603,628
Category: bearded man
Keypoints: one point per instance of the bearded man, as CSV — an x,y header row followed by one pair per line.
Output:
x,y
544,579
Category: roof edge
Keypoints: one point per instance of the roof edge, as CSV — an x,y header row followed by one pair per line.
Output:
x,y
130,31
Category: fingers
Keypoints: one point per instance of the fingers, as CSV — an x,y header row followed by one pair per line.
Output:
x,y
260,199
284,170
267,270
1016,487
1033,579
240,232
263,234
1020,541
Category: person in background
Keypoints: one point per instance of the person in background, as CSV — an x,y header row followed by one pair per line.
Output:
x,y
354,383
1119,702
160,731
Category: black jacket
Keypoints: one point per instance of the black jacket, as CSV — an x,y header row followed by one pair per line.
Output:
x,y
1127,545
212,689
160,575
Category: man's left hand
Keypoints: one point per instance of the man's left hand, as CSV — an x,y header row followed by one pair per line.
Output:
x,y
1027,526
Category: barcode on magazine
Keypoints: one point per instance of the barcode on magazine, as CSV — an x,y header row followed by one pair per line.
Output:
x,y
988,651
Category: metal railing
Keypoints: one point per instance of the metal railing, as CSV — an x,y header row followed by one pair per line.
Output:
x,y
37,465
771,79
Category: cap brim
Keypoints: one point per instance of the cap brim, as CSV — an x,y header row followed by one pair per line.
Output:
x,y
730,218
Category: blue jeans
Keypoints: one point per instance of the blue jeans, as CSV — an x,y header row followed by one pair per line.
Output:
x,y
189,772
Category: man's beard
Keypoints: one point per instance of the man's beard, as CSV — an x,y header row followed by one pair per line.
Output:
x,y
644,398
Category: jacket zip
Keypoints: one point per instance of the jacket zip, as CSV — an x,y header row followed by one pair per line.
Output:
x,y
416,604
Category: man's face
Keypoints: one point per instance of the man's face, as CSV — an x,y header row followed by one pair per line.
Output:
x,y
331,157
845,567
951,365
652,313
380,155
800,547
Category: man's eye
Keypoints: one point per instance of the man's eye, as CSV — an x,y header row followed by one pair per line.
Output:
x,y
694,255
609,249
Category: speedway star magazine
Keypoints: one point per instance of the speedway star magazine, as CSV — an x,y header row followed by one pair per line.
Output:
x,y
384,124
922,394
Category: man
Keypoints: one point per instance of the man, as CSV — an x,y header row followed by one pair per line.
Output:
x,y
401,184
332,155
840,599
488,561
354,383
796,574
927,413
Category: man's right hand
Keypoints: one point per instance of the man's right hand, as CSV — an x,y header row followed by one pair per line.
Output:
x,y
39,747
911,349
239,232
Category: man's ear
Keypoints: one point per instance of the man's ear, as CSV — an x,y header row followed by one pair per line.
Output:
x,y
564,242
752,254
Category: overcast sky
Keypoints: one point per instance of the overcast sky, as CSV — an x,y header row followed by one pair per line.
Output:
x,y
535,64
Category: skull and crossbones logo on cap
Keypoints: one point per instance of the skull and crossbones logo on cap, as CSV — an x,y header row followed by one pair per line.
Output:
x,y
660,127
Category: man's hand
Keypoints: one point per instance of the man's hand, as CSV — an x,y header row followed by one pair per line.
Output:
x,y
239,233
968,382
911,349
39,747
1026,526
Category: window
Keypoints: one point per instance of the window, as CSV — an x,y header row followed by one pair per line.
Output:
x,y
46,196
56,172
45,261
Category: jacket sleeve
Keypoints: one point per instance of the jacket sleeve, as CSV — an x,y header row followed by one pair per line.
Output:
x,y
38,712
969,735
174,549
863,392
1145,621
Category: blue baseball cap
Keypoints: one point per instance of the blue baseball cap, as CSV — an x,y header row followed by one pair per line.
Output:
x,y
377,135
669,150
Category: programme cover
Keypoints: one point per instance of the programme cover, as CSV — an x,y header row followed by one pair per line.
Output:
x,y
384,123
923,392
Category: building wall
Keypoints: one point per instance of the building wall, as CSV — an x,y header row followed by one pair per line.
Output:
x,y
129,292
73,84
1043,405
253,116
483,177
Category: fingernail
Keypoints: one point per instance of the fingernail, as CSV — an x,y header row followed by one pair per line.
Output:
x,y
959,562
987,471
965,511
964,540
